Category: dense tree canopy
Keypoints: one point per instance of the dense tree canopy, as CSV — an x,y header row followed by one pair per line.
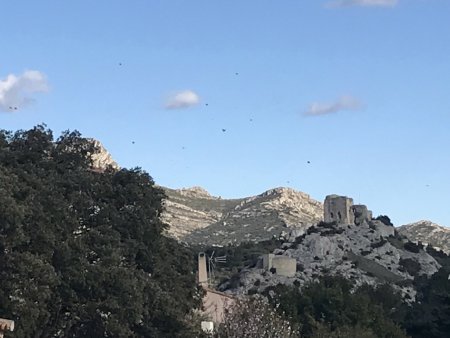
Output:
x,y
81,250
329,308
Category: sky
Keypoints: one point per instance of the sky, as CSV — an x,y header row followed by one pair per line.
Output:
x,y
347,97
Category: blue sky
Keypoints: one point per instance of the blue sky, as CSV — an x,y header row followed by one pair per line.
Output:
x,y
358,88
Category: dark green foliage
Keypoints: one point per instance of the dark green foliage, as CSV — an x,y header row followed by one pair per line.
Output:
x,y
379,244
439,255
410,265
330,306
412,247
430,314
81,251
329,225
385,220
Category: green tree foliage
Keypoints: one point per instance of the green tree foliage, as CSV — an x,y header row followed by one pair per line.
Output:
x,y
330,306
430,315
384,219
81,251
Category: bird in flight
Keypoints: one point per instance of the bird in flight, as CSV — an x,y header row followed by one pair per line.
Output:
x,y
224,130
309,162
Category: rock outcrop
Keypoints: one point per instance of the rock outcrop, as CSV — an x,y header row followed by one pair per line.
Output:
x,y
101,158
366,251
428,233
196,217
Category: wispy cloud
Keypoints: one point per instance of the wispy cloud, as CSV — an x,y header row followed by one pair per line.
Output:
x,y
342,103
16,90
182,99
363,3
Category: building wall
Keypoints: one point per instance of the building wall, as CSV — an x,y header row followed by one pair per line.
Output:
x,y
284,266
361,214
215,303
338,209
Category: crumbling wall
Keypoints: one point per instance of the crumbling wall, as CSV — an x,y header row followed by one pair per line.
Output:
x,y
338,209
283,265
361,214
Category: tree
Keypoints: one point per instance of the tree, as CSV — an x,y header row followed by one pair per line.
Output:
x,y
81,251
254,318
331,305
430,314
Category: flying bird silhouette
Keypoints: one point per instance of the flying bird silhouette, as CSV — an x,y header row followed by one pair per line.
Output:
x,y
224,130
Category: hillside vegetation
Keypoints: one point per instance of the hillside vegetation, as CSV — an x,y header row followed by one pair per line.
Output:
x,y
81,250
84,253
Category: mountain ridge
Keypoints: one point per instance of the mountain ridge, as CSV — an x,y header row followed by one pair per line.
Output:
x,y
427,232
196,217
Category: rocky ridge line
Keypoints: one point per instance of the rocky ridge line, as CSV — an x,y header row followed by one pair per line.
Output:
x,y
428,233
369,252
196,217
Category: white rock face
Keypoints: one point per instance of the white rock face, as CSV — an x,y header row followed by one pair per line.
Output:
x,y
428,233
197,217
102,159
367,253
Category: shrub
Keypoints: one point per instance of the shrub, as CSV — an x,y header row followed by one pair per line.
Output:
x,y
411,266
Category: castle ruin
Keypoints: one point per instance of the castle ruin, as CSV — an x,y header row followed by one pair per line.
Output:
x,y
283,265
340,209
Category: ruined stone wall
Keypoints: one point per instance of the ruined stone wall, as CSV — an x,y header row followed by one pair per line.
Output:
x,y
283,265
362,214
338,209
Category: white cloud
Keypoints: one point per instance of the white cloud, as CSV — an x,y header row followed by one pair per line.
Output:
x,y
342,103
16,90
364,3
182,99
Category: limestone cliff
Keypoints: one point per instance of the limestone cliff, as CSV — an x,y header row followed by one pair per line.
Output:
x,y
101,158
366,251
428,233
196,217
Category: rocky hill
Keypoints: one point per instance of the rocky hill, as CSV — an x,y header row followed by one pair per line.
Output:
x,y
101,158
196,217
364,250
428,233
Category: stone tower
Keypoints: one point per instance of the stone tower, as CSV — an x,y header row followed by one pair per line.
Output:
x,y
338,209
202,270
